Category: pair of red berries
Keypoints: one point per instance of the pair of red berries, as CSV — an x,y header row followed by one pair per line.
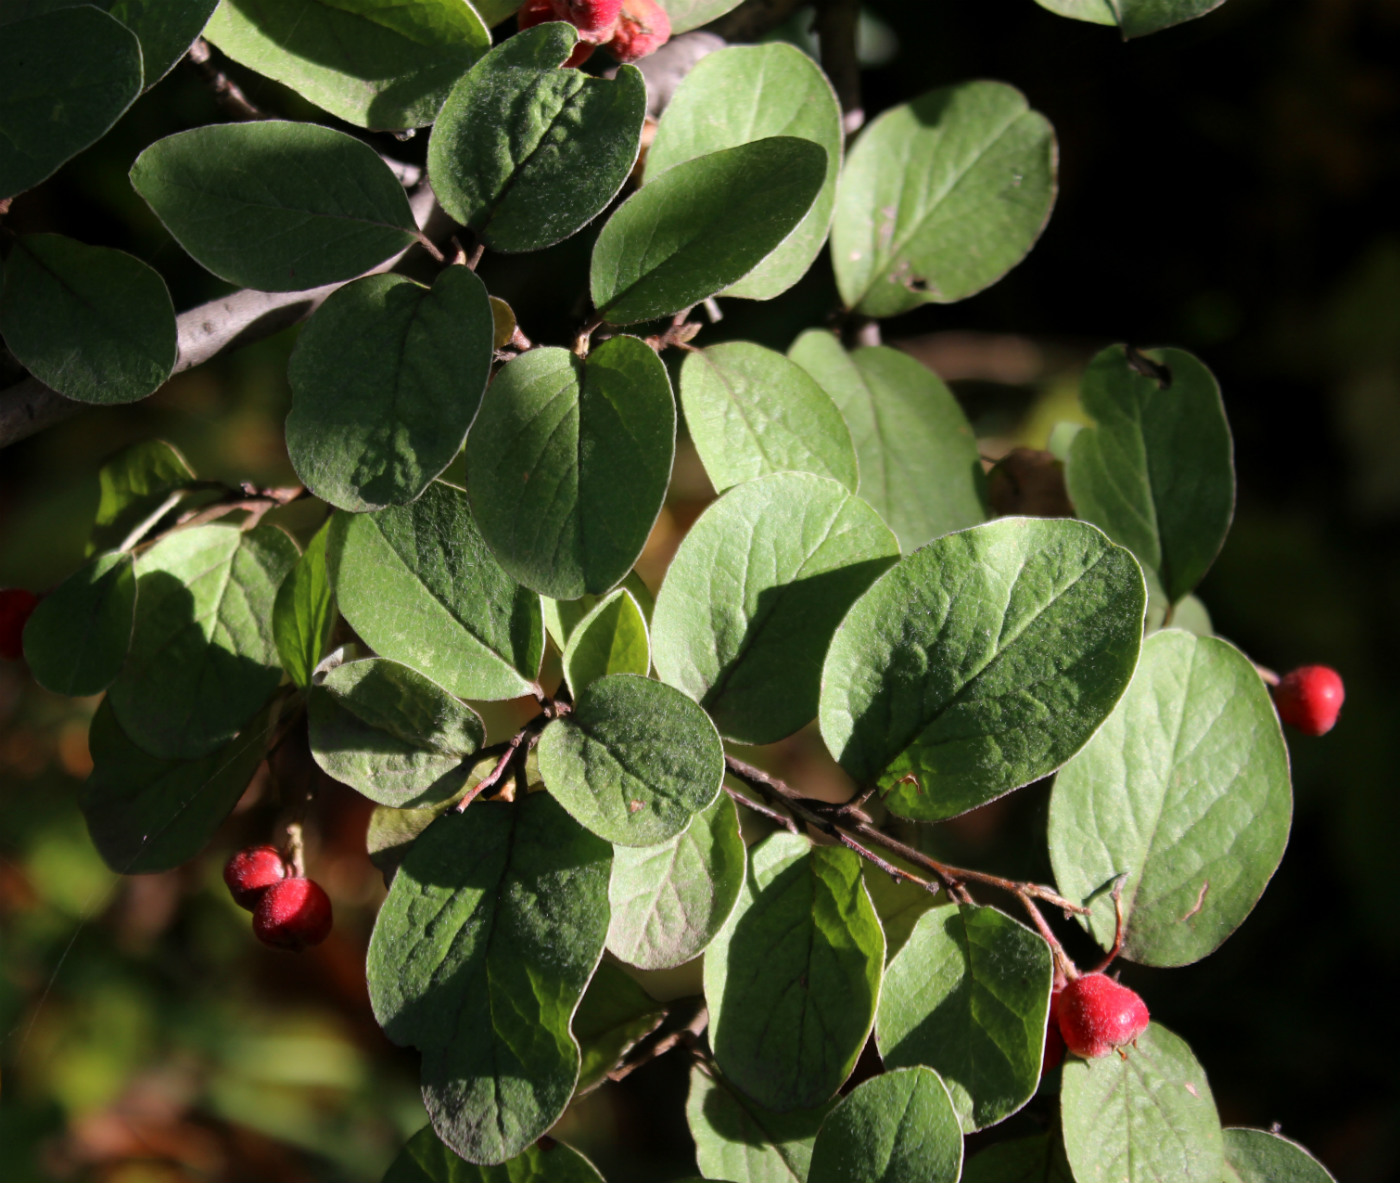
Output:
x,y
289,911
630,29
1092,1016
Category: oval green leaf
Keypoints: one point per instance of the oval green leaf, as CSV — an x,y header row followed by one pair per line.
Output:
x,y
981,662
1040,1159
969,996
668,901
419,585
78,637
634,761
527,153
919,464
382,64
701,226
898,903
754,593
1142,1117
146,814
611,639
752,412
492,929
898,1127
941,197
738,1139
386,379
304,612
568,463
1186,790
203,658
1135,17
65,78
744,93
1156,473
792,978
615,1013
392,734
132,486
1258,1156
426,1160
165,28
561,617
691,14
274,205
93,323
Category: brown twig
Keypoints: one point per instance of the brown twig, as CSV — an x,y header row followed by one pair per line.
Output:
x,y
688,1035
837,25
513,749
778,819
229,94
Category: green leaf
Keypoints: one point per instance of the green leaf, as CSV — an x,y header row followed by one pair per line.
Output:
x,y
146,814
1143,1117
93,323
568,463
691,14
561,617
1023,1160
1135,17
527,153
668,901
426,1160
391,734
1192,616
754,593
1186,789
792,978
919,464
752,412
136,481
385,380
611,639
701,226
1156,473
65,78
634,761
981,662
615,1013
419,584
78,636
304,612
741,94
385,64
898,1127
481,952
941,197
1257,1156
203,658
969,995
898,903
273,205
738,1139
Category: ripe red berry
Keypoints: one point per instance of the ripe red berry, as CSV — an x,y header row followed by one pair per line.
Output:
x,y
595,20
251,872
1054,1041
293,914
1098,1014
16,604
537,12
1310,698
642,28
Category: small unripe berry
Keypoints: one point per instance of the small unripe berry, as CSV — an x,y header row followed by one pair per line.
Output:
x,y
16,604
1097,1014
642,28
251,872
293,914
1310,698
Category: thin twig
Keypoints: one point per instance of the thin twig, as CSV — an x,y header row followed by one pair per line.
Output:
x,y
514,748
688,1035
778,819
228,92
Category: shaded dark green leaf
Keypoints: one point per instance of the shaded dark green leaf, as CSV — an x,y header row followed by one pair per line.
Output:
x,y
426,1160
78,636
1023,1160
738,1139
614,1014
165,28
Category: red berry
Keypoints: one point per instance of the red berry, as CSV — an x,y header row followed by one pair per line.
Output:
x,y
642,28
293,914
1097,1014
595,20
251,872
537,12
1054,1041
1310,698
16,603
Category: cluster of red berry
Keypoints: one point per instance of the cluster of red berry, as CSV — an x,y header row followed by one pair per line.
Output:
x,y
289,911
630,29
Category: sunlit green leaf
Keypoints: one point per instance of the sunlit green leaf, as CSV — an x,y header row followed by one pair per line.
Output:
x,y
1135,17
304,612
611,639
738,1139
1258,1156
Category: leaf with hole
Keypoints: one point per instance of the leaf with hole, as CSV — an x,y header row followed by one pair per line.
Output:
x,y
941,197
386,379
981,662
757,587
526,153
1186,790
274,205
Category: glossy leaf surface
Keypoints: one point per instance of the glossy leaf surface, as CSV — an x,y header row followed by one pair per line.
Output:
x,y
78,636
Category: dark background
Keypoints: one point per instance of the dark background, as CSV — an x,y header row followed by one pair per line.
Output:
x,y
1229,186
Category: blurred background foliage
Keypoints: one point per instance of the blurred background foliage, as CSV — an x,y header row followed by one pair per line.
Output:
x,y
1230,186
